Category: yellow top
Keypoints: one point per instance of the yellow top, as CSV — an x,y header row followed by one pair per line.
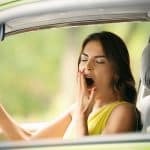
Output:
x,y
97,121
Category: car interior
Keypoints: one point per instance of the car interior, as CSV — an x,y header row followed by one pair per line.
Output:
x,y
144,99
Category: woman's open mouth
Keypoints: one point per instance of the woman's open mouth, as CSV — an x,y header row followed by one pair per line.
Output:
x,y
89,82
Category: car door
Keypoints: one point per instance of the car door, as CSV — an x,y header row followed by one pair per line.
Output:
x,y
18,17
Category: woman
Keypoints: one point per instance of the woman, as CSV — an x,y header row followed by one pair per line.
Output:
x,y
105,103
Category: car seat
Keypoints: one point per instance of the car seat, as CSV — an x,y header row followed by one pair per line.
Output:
x,y
145,81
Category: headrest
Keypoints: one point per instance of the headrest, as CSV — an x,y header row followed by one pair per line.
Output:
x,y
145,66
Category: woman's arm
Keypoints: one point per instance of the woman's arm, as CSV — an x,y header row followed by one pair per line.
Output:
x,y
14,132
57,128
82,109
10,128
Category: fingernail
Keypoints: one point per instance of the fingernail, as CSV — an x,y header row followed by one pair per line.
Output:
x,y
82,70
94,89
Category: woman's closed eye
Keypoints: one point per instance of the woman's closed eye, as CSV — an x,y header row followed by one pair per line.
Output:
x,y
99,61
84,60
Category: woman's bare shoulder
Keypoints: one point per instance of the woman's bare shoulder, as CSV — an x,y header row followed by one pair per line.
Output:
x,y
122,119
124,108
124,111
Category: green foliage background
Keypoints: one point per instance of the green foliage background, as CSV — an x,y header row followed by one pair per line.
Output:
x,y
30,66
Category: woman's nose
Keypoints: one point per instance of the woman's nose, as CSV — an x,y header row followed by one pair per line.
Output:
x,y
89,65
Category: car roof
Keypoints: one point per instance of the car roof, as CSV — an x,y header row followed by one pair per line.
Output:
x,y
21,15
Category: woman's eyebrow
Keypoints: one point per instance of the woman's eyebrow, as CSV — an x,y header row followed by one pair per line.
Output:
x,y
98,56
85,54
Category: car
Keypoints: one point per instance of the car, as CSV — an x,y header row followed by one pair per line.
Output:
x,y
24,16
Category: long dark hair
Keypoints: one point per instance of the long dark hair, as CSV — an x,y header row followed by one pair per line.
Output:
x,y
117,53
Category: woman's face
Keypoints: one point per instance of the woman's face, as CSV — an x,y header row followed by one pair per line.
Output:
x,y
98,71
